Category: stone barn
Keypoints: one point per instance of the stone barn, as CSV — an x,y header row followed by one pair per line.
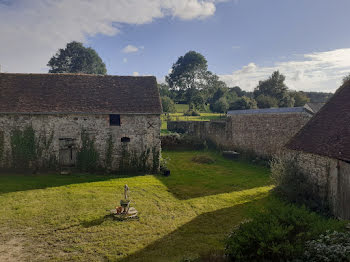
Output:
x,y
92,122
322,150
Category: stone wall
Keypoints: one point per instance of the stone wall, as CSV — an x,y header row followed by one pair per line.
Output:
x,y
54,132
262,134
330,178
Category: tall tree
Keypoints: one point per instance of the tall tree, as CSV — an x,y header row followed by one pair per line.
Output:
x,y
275,87
300,98
188,72
76,58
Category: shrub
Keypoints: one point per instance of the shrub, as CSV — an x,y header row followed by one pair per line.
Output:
x,y
168,104
87,157
203,159
191,113
332,246
293,185
176,141
276,233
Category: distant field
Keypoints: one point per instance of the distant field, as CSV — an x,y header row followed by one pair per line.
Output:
x,y
180,108
181,117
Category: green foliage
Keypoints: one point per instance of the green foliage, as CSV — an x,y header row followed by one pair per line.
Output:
x,y
293,185
155,159
318,97
168,104
277,233
109,152
76,58
2,145
346,78
203,159
264,101
23,147
243,103
300,98
187,71
191,113
275,87
331,246
220,106
87,157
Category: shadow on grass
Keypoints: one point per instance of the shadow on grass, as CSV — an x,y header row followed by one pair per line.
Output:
x,y
202,234
21,182
189,179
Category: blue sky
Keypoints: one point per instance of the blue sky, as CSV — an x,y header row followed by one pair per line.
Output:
x,y
244,41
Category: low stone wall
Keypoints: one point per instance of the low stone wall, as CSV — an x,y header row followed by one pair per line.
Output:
x,y
262,134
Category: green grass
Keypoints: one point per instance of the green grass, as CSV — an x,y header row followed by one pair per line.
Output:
x,y
181,117
180,108
60,218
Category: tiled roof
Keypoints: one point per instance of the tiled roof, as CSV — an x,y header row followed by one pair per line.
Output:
x,y
328,132
78,93
281,110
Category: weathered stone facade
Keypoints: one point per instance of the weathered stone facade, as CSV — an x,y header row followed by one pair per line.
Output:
x,y
263,134
330,179
59,138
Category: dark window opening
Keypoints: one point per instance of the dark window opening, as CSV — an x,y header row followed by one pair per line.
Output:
x,y
114,120
125,139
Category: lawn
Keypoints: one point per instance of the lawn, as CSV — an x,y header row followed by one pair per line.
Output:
x,y
60,218
181,117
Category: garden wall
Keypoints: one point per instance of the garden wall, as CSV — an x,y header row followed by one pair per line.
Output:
x,y
57,139
262,134
330,179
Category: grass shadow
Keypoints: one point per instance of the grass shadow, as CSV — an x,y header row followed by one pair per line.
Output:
x,y
202,234
14,182
189,179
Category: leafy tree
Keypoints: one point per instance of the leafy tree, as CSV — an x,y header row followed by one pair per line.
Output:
x,y
164,90
243,103
275,87
346,78
264,101
188,71
168,104
76,58
189,77
220,106
300,98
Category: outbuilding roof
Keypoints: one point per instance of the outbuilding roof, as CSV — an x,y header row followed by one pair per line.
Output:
x,y
281,110
328,132
78,93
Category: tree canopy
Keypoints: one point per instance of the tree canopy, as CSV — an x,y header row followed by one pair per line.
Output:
x,y
275,87
76,58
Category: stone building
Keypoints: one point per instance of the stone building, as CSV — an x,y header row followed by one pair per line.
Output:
x,y
322,151
78,120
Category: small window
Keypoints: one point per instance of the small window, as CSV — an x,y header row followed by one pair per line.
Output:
x,y
114,120
125,140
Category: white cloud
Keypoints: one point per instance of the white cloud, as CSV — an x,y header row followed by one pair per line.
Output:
x,y
32,31
319,71
136,74
130,49
236,47
125,60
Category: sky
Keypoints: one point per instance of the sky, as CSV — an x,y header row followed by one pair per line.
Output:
x,y
244,41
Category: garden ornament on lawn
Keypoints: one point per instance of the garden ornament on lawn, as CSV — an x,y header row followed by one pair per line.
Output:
x,y
124,211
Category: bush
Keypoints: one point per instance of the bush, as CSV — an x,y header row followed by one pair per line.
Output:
x,y
332,246
168,104
277,233
191,113
176,141
203,159
293,185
